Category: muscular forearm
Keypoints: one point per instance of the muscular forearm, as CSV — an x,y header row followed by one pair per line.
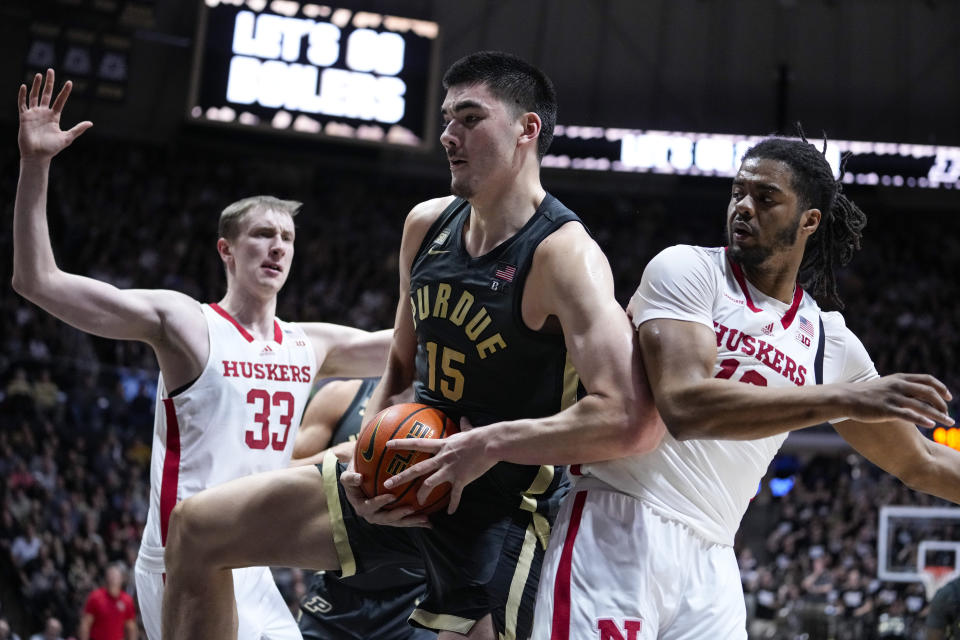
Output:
x,y
595,428
936,473
729,410
32,254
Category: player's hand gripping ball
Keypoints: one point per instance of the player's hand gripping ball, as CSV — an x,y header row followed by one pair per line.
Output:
x,y
375,462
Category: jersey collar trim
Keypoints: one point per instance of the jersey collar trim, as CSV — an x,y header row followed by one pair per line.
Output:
x,y
791,313
277,332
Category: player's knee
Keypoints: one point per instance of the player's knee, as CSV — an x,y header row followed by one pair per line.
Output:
x,y
187,539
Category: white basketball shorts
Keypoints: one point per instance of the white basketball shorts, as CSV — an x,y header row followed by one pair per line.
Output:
x,y
615,570
262,613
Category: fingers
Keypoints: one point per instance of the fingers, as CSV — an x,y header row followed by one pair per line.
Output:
x,y
22,98
35,91
77,130
930,381
455,492
924,414
928,399
47,89
62,97
351,479
412,473
415,444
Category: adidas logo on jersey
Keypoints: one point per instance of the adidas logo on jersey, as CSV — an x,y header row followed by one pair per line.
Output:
x,y
768,330
267,351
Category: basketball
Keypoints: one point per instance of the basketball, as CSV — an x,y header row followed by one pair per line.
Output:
x,y
375,462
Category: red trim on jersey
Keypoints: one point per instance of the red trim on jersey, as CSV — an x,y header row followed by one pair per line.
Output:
x,y
738,274
223,312
575,470
277,332
171,469
791,313
560,629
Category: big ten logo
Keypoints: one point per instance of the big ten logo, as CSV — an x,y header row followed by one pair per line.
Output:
x,y
400,461
949,437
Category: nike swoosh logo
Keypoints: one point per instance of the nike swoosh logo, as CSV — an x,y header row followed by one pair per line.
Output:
x,y
367,453
433,252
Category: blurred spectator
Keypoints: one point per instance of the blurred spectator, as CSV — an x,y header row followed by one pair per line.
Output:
x,y
5,632
52,630
26,547
108,613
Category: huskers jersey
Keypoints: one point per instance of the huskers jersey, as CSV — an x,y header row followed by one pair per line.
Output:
x,y
239,417
707,484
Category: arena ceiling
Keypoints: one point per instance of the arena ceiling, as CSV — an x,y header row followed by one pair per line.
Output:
x,y
859,69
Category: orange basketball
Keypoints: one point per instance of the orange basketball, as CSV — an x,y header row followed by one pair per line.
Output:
x,y
375,462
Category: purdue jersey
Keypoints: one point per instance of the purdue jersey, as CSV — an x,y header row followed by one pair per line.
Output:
x,y
707,484
350,423
239,417
475,356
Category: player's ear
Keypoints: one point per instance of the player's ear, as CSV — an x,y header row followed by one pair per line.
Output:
x,y
532,125
810,221
224,249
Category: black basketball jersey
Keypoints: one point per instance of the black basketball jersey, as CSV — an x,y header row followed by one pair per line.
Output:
x,y
350,423
475,356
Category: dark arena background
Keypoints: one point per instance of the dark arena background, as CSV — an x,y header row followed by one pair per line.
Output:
x,y
193,108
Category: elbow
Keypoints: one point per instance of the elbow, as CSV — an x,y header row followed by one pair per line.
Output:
x,y
918,473
642,429
18,284
27,286
678,422
682,423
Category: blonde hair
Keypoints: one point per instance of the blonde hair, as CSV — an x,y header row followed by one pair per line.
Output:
x,y
231,217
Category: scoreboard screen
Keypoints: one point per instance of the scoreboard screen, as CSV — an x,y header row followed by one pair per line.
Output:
x,y
316,70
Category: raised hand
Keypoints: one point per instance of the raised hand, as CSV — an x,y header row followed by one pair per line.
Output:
x,y
40,136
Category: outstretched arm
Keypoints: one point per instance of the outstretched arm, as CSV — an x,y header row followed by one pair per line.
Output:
x,y
898,447
680,358
346,352
171,322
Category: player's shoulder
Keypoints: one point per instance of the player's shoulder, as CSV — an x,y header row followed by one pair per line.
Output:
x,y
834,325
421,218
569,254
426,213
688,253
683,260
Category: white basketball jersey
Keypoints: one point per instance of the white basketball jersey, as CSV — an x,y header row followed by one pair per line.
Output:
x,y
239,417
707,484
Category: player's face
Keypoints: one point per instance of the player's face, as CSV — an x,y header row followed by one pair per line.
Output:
x,y
263,249
763,215
480,136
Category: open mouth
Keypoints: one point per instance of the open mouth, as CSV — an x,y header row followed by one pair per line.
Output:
x,y
272,267
741,230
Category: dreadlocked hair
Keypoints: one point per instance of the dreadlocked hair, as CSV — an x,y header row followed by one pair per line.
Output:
x,y
837,238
